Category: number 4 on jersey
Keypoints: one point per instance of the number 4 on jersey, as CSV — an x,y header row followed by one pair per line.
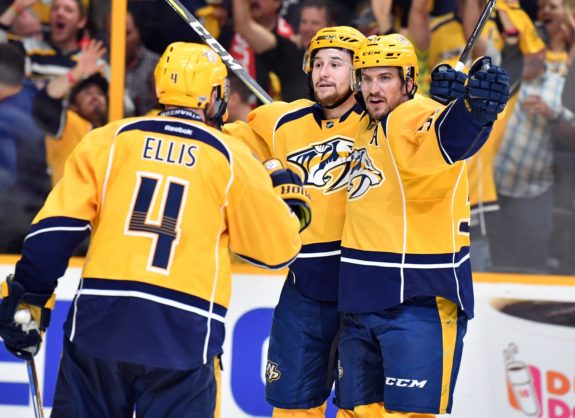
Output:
x,y
165,230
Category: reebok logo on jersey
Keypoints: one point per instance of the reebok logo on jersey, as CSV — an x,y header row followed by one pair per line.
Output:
x,y
363,174
325,165
178,130
405,383
272,372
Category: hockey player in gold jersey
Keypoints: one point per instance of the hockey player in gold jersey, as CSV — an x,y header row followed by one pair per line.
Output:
x,y
314,138
164,197
405,282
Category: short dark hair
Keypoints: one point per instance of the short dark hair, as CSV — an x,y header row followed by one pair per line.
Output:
x,y
96,79
12,65
239,87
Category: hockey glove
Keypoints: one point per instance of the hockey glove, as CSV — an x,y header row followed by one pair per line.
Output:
x,y
289,187
487,91
24,317
446,84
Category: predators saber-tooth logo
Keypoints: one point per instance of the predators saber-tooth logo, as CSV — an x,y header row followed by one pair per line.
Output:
x,y
363,174
272,372
325,165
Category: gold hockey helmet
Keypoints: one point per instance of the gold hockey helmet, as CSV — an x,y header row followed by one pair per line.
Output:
x,y
344,37
393,50
187,73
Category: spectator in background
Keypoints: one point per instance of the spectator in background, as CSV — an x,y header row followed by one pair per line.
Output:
x,y
87,109
510,38
241,100
284,54
27,25
524,175
263,16
24,183
416,28
59,53
140,64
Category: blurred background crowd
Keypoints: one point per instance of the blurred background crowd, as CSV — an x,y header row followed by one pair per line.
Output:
x,y
54,88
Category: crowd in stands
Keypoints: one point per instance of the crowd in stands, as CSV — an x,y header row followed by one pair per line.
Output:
x,y
54,78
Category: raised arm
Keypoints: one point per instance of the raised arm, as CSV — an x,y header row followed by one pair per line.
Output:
x,y
11,13
419,31
258,37
89,63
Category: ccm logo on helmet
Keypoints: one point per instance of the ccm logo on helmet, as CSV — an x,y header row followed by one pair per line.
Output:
x,y
405,383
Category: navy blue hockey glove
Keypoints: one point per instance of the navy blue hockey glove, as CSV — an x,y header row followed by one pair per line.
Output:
x,y
289,187
446,84
24,317
487,91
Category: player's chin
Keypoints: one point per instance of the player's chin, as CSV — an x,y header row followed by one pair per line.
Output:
x,y
377,112
327,99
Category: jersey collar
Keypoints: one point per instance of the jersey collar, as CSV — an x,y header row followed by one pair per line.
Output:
x,y
182,113
319,116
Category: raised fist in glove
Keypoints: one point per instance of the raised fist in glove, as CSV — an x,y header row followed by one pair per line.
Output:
x,y
289,187
24,317
487,91
447,84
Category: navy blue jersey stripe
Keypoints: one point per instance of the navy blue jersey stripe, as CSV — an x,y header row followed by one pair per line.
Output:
x,y
300,113
47,249
179,129
110,327
365,288
174,295
321,247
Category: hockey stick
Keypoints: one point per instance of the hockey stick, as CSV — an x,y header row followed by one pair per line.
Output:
x,y
475,35
23,317
36,398
207,37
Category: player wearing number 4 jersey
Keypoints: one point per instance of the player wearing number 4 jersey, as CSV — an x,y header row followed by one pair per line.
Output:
x,y
165,198
315,140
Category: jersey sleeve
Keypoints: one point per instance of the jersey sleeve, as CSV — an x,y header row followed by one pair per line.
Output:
x,y
255,143
66,218
437,135
262,228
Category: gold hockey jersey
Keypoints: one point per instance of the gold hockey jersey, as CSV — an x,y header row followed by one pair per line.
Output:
x,y
164,197
317,149
406,232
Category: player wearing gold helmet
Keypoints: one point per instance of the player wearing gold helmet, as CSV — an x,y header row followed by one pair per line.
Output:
x,y
314,138
405,280
163,198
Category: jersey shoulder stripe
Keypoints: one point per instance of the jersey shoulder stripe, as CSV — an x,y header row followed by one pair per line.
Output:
x,y
294,115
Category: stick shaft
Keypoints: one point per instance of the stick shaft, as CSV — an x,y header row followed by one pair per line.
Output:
x,y
34,388
232,64
475,35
